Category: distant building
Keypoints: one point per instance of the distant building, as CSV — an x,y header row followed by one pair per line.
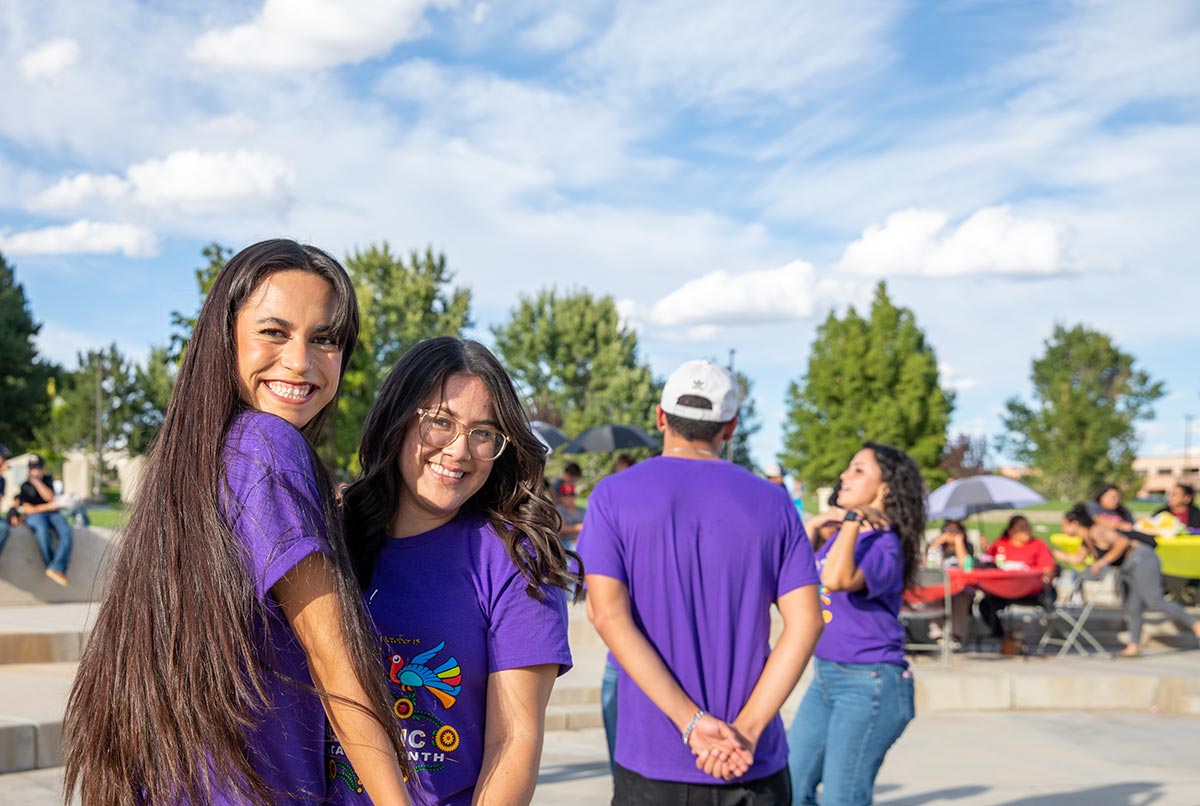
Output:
x,y
1015,473
1159,473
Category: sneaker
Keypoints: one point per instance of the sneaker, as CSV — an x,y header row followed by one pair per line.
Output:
x,y
58,576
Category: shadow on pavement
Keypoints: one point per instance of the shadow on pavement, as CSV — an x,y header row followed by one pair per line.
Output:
x,y
1142,793
950,794
573,772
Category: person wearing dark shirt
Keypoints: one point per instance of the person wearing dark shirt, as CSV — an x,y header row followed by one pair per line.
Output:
x,y
4,524
42,515
1180,503
1107,508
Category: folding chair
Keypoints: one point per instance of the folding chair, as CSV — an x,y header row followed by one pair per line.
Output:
x,y
928,579
1067,624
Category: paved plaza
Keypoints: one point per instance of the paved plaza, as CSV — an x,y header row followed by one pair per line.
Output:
x,y
971,759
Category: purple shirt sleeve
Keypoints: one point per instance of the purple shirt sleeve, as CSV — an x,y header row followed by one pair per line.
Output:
x,y
274,505
799,567
881,563
525,631
599,541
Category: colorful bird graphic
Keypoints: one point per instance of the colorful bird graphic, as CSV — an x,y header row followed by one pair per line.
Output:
x,y
443,682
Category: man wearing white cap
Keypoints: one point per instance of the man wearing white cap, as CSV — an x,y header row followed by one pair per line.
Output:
x,y
685,554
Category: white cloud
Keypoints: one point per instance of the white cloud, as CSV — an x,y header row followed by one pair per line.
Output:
x,y
313,34
556,32
480,13
50,60
991,241
189,181
952,378
82,238
772,295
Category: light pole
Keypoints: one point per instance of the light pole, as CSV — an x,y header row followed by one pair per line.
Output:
x,y
729,444
1187,445
98,486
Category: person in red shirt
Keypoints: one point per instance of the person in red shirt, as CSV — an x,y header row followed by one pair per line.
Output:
x,y
1180,504
1017,545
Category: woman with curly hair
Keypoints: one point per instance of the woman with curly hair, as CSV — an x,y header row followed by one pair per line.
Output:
x,y
232,626
861,695
457,551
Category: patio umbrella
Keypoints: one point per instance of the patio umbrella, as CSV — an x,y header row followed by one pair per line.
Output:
x,y
551,436
962,497
609,438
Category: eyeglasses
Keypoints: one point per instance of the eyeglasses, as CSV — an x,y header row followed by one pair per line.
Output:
x,y
440,430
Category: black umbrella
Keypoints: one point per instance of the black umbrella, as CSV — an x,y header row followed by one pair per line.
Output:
x,y
609,438
553,437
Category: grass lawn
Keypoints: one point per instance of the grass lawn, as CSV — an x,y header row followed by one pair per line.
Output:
x,y
107,516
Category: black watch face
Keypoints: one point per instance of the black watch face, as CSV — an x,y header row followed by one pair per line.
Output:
x,y
851,516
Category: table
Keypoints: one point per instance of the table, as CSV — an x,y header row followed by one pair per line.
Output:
x,y
996,581
1180,556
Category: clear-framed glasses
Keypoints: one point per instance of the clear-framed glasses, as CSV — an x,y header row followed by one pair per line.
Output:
x,y
439,430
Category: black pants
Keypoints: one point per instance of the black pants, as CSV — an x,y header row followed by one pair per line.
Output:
x,y
631,789
990,607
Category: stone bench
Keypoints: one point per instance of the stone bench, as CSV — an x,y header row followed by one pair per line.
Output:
x,y
23,577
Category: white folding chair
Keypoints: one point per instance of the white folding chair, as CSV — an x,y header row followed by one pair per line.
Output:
x,y
1067,624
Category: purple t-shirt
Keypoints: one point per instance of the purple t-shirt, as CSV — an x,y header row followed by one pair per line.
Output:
x,y
704,548
274,507
452,608
864,626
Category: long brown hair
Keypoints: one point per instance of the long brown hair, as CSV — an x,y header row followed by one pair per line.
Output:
x,y
904,504
512,499
174,674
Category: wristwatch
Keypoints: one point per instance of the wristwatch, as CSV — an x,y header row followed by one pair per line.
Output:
x,y
850,517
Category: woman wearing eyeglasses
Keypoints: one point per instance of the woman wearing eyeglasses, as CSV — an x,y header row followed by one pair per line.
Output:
x,y
458,556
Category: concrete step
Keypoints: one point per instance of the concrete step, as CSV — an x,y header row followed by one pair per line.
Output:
x,y
23,578
32,700
48,633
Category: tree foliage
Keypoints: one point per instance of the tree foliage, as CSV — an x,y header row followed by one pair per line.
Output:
x,y
24,378
1080,428
964,456
74,413
183,325
577,366
873,378
400,304
749,423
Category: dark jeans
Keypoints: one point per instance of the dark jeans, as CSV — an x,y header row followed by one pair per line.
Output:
x,y
631,789
608,707
42,524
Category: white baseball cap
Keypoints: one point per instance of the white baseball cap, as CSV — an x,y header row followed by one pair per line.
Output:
x,y
706,380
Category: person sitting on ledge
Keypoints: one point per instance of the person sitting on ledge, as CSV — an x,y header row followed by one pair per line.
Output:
x,y
41,515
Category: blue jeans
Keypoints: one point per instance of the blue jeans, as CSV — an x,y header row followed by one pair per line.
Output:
x,y
4,527
850,716
608,707
41,523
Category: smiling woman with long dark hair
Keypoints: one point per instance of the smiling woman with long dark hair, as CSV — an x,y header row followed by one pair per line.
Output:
x,y
232,622
457,550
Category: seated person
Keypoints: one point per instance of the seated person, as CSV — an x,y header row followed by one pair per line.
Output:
x,y
950,549
42,516
1180,503
1017,547
7,522
1107,508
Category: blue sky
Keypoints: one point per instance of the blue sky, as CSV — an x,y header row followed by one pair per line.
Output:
x,y
729,171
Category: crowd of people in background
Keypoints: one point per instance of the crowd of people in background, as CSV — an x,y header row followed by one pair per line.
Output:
x,y
400,640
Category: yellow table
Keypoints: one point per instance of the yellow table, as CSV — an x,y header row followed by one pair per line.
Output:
x,y
1180,556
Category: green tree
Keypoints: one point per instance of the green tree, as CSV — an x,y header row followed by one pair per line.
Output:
x,y
748,423
24,378
1080,429
149,396
577,367
400,304
183,325
73,417
873,378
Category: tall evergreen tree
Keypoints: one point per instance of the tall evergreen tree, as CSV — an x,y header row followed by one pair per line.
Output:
x,y
400,304
1088,396
873,378
749,423
577,367
24,377
182,324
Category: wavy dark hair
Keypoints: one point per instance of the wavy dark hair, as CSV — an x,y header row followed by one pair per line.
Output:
x,y
513,498
904,503
174,674
1013,521
1079,514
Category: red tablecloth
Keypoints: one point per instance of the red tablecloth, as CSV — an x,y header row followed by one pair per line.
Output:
x,y
1005,584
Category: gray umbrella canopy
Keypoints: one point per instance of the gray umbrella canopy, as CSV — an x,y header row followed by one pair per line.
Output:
x,y
609,438
963,497
553,437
